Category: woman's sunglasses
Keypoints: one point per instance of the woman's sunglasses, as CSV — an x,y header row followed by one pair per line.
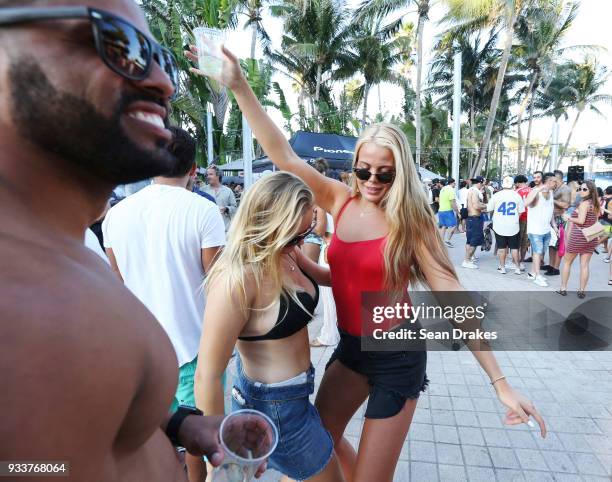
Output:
x,y
300,237
586,189
121,46
383,177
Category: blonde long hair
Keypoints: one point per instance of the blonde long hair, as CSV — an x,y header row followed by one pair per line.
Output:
x,y
412,226
269,217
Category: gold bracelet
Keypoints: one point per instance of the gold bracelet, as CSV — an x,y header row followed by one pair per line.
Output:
x,y
498,379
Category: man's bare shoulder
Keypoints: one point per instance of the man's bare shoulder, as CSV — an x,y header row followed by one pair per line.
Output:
x,y
75,343
71,284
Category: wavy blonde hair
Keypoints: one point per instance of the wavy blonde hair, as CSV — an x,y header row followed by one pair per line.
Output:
x,y
412,226
269,217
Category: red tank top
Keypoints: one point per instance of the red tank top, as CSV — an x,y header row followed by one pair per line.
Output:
x,y
356,267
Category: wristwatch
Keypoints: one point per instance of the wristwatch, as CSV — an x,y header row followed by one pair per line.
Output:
x,y
175,422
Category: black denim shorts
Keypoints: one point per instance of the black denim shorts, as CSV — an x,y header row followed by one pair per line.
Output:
x,y
393,376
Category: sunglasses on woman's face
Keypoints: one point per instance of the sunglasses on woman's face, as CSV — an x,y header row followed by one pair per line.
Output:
x,y
300,237
584,189
364,174
122,47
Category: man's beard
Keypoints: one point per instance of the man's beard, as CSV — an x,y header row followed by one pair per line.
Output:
x,y
71,128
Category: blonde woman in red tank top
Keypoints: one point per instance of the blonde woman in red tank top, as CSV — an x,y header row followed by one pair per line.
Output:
x,y
385,240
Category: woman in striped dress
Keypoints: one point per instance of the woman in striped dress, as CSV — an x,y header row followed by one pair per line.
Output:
x,y
585,216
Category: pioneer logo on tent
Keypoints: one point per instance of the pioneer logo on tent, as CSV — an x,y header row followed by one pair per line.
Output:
x,y
332,151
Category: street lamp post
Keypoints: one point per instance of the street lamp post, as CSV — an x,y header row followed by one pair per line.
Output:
x,y
456,115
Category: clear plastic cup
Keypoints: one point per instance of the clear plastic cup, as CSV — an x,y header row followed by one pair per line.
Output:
x,y
248,437
209,42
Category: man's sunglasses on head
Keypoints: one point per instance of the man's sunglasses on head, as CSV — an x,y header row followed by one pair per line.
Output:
x,y
121,46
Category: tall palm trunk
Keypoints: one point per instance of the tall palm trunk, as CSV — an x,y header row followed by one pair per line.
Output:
x,y
528,139
522,161
570,134
497,92
423,11
365,105
317,92
379,100
253,35
472,154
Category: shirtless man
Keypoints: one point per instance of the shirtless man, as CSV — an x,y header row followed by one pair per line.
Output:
x,y
87,372
474,223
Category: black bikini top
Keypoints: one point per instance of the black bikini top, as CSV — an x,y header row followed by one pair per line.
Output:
x,y
291,317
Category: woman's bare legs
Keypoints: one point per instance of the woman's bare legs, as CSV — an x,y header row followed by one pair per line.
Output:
x,y
568,259
341,393
381,443
331,473
585,259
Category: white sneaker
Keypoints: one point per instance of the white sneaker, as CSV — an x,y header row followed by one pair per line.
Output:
x,y
540,281
502,270
522,266
469,264
518,271
606,260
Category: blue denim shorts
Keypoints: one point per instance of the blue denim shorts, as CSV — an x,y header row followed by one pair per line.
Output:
x,y
304,448
314,239
539,242
474,231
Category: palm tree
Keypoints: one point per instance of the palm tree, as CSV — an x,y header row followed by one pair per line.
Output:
x,y
253,10
590,78
540,30
376,50
316,36
173,22
558,96
472,15
478,74
369,8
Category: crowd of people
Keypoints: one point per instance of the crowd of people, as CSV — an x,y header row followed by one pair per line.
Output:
x,y
120,364
548,216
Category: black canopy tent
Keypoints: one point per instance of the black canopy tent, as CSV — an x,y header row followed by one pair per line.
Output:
x,y
337,150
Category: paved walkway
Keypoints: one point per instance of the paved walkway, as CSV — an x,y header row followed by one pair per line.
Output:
x,y
457,433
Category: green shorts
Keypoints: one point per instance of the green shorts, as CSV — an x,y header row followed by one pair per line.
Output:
x,y
184,392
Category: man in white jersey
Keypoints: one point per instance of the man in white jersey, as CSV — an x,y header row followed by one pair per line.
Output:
x,y
161,241
540,221
506,206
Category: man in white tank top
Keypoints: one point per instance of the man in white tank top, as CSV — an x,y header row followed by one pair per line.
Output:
x,y
540,222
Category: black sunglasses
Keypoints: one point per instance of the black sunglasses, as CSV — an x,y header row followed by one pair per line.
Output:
x,y
583,189
383,177
121,46
300,237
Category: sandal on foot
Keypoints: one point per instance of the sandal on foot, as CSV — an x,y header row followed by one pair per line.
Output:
x,y
610,282
581,294
561,292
